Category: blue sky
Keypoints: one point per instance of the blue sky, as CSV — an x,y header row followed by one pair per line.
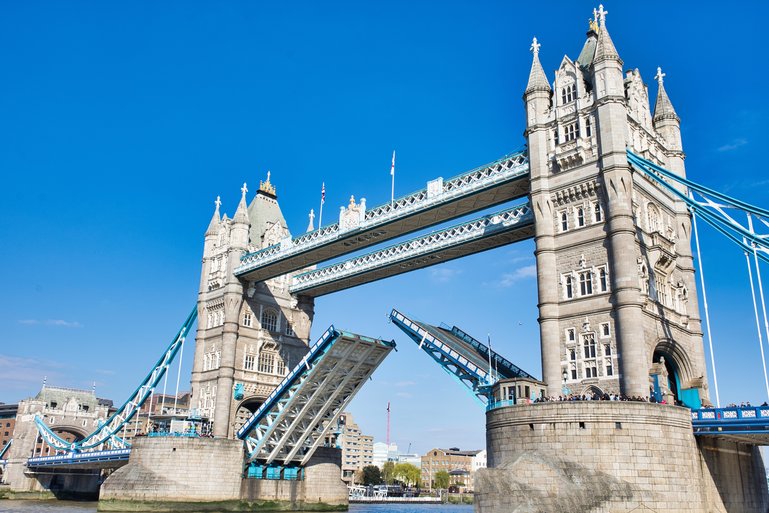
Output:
x,y
120,123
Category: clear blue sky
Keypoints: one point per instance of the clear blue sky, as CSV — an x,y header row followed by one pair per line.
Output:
x,y
120,123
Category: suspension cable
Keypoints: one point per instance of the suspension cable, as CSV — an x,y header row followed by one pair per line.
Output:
x,y
707,311
758,278
758,323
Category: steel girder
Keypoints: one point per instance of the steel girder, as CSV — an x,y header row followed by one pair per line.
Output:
x,y
94,459
488,232
298,415
465,366
442,200
107,432
713,207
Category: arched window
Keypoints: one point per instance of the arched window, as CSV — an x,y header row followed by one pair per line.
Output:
x,y
569,284
267,362
653,218
564,221
597,214
580,216
589,345
247,319
588,127
269,320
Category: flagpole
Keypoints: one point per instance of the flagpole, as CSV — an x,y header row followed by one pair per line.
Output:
x,y
322,201
392,189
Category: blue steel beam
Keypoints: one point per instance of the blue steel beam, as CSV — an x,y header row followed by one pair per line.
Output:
x,y
462,364
442,200
502,365
93,459
713,209
481,234
109,429
293,421
5,448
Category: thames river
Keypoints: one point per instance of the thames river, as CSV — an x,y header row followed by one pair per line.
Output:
x,y
7,506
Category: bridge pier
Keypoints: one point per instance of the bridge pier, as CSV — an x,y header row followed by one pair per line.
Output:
x,y
206,474
613,456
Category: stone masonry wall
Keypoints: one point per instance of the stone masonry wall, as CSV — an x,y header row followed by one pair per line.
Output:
x,y
606,456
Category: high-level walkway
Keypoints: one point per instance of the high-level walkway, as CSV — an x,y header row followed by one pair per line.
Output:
x,y
442,200
481,234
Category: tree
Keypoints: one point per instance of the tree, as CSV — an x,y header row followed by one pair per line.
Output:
x,y
441,479
407,473
371,475
387,472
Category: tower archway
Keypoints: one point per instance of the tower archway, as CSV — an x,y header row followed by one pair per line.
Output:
x,y
671,372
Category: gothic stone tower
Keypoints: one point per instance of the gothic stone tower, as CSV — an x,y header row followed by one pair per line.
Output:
x,y
617,296
249,333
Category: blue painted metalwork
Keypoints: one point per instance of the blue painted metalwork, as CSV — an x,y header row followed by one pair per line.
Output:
x,y
440,192
239,392
731,421
464,364
502,365
108,431
5,449
74,458
712,208
294,419
483,233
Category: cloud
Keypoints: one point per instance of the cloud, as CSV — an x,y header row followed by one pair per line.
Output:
x,y
52,322
404,395
737,143
405,383
522,273
26,374
443,274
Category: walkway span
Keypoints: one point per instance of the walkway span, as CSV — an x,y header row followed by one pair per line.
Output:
x,y
500,181
488,232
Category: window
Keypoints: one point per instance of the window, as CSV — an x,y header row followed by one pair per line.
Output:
x,y
290,329
280,367
564,221
589,345
571,132
653,218
609,368
266,362
573,372
269,320
597,214
605,329
569,287
247,319
568,94
603,279
580,216
588,127
570,335
572,354
248,362
607,349
585,283
591,371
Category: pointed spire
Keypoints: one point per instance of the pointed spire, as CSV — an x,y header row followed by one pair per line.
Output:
x,y
241,214
537,78
213,226
663,109
605,49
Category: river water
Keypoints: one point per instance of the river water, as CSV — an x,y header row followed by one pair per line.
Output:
x,y
7,506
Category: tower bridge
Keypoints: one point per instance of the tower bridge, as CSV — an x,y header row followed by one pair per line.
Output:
x,y
612,213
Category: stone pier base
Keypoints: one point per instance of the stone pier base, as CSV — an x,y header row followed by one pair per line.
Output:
x,y
204,474
605,456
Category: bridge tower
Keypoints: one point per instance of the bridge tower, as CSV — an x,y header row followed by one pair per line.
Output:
x,y
618,305
249,333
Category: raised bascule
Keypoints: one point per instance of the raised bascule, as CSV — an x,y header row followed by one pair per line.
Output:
x,y
601,187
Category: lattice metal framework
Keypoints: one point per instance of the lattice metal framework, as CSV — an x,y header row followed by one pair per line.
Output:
x,y
464,364
715,208
492,184
295,419
474,236
107,432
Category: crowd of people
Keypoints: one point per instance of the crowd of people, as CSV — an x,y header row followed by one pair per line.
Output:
x,y
596,396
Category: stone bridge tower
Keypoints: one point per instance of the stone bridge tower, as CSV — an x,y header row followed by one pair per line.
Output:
x,y
249,334
617,295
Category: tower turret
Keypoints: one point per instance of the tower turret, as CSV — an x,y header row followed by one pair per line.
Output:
x,y
666,121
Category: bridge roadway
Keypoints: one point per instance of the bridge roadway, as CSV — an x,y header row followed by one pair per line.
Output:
x,y
85,460
442,200
481,234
